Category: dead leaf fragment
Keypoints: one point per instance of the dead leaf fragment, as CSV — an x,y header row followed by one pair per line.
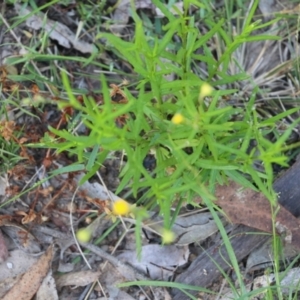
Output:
x,y
3,249
122,13
28,217
21,236
156,260
56,30
7,284
187,229
47,290
29,283
245,206
288,285
16,264
3,185
7,129
263,256
81,278
194,228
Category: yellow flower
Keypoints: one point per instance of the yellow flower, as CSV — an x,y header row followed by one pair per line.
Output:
x,y
83,235
121,207
177,119
168,236
205,90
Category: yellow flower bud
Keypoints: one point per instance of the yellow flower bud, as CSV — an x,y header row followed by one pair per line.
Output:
x,y
168,236
177,119
205,90
83,235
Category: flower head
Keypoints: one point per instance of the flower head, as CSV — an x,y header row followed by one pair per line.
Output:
x,y
177,119
83,235
121,207
168,236
205,90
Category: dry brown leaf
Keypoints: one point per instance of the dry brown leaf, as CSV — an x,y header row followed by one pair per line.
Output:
x,y
28,217
245,206
29,283
7,129
81,278
7,284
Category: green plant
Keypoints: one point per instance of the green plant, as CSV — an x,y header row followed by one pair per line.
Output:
x,y
209,145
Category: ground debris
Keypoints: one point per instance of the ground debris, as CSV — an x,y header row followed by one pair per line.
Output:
x,y
81,278
57,31
251,208
29,283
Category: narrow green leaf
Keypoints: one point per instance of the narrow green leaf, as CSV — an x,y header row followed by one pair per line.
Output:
x,y
71,168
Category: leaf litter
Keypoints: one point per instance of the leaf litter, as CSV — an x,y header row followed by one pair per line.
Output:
x,y
251,208
56,30
29,283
